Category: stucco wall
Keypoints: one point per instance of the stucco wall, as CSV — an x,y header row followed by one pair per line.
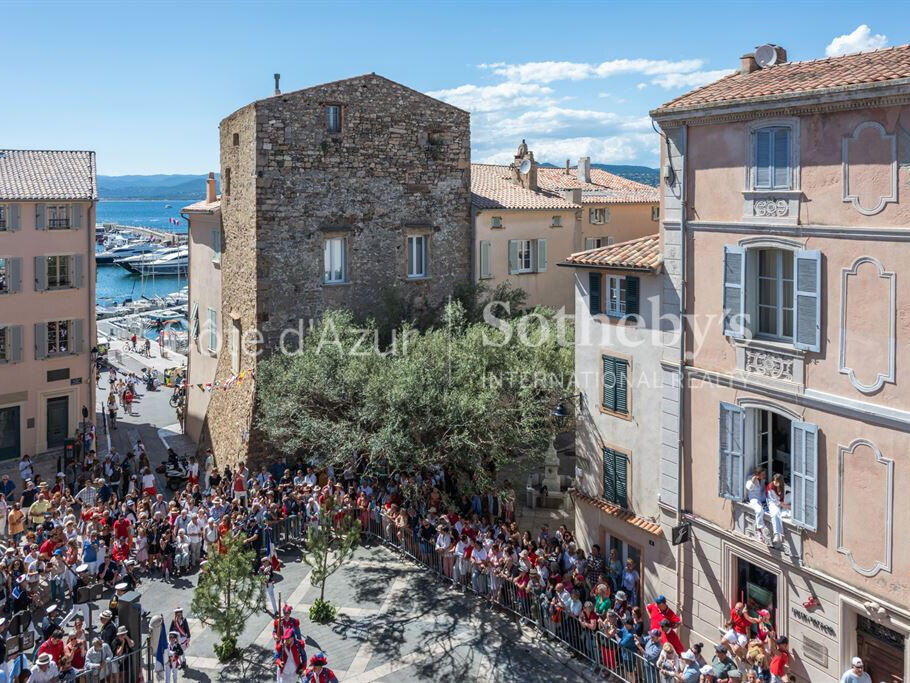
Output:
x,y
627,221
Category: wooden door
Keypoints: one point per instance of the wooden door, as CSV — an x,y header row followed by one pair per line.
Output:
x,y
884,662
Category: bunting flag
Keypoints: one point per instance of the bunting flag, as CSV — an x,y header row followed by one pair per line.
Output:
x,y
228,383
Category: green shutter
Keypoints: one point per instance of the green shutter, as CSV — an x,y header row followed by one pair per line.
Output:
x,y
609,475
541,254
595,298
513,257
616,477
609,383
13,217
622,404
40,341
40,273
485,260
632,286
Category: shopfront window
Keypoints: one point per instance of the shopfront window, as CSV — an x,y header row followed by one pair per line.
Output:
x,y
757,589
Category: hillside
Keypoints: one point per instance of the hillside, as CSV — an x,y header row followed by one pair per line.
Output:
x,y
640,174
175,186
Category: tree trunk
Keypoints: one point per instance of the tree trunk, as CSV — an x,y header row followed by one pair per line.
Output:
x,y
227,610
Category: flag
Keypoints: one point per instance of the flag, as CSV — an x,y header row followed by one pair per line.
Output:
x,y
159,651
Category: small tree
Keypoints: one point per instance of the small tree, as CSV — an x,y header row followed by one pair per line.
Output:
x,y
229,592
326,550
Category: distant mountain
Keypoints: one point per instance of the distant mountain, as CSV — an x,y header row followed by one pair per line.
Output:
x,y
640,174
153,186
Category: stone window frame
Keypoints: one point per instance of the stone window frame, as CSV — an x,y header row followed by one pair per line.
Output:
x,y
330,234
778,206
323,107
426,232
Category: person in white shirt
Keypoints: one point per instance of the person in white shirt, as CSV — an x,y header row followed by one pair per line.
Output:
x,y
478,567
44,670
194,534
26,469
755,499
856,674
208,468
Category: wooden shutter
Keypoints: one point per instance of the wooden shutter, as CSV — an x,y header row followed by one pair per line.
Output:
x,y
76,218
615,384
616,477
40,341
14,274
734,280
763,158
485,260
731,479
782,158
40,273
13,217
807,300
14,344
632,289
589,243
513,257
595,293
609,475
77,341
79,271
40,217
622,399
541,254
609,383
194,321
804,474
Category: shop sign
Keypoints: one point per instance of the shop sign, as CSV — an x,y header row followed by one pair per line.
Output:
x,y
817,624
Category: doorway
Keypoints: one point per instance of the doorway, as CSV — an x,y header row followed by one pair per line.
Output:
x,y
756,588
58,412
619,553
881,649
10,434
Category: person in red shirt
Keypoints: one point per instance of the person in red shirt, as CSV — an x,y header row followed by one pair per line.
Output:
x,y
53,646
742,622
780,663
668,635
122,527
660,610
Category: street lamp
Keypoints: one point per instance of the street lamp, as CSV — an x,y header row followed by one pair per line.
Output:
x,y
561,411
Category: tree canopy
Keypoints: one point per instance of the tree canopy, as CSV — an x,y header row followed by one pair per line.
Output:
x,y
467,395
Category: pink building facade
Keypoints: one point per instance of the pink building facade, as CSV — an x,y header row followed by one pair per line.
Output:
x,y
785,233
47,298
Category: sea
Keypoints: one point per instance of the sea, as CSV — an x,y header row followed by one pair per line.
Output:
x,y
113,283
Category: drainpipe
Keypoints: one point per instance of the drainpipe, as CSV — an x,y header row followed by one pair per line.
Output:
x,y
682,351
189,312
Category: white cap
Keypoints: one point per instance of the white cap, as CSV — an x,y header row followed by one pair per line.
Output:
x,y
688,654
857,661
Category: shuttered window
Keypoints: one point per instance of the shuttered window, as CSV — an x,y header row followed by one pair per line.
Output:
x,y
772,159
622,296
616,477
595,301
731,481
804,474
485,272
808,300
615,385
527,256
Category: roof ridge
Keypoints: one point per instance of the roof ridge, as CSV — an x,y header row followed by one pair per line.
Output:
x,y
67,151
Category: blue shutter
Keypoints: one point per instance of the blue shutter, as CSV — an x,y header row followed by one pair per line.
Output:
x,y
731,478
807,304
622,402
632,287
804,474
595,298
782,158
734,278
763,158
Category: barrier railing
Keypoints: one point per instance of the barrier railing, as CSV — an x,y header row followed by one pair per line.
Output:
x,y
125,668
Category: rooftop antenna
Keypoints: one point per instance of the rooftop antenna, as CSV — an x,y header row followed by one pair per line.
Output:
x,y
277,78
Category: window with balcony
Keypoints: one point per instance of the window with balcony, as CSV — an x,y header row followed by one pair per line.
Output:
x,y
334,257
57,217
58,337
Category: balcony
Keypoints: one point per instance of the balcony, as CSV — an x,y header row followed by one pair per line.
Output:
x,y
790,547
58,223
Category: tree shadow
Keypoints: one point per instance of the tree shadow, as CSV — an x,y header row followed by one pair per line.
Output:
x,y
254,663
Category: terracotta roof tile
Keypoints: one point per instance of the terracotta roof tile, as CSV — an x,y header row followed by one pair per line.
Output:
x,y
642,523
798,78
492,188
37,175
203,206
642,253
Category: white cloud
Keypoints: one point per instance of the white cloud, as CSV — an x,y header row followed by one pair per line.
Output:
x,y
547,72
484,98
641,86
694,79
614,149
860,40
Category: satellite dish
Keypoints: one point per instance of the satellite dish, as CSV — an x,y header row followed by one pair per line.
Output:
x,y
766,55
525,167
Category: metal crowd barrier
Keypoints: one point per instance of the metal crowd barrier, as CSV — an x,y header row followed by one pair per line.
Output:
x,y
126,668
594,646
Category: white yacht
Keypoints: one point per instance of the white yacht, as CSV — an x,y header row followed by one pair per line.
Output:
x,y
131,262
125,250
176,263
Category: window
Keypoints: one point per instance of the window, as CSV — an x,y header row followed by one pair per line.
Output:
x,y
58,334
599,216
595,296
484,261
775,293
333,118
3,216
59,272
216,246
496,222
771,158
236,139
4,275
213,329
655,213
4,345
227,181
616,296
557,222
593,243
56,217
525,256
615,381
757,588
335,266
616,472
417,256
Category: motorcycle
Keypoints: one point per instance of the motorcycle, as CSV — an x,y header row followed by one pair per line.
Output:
x,y
176,472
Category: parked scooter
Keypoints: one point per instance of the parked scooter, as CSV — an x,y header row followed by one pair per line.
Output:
x,y
176,470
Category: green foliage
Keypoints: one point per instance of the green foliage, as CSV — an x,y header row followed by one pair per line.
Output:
x,y
228,593
464,394
322,612
327,548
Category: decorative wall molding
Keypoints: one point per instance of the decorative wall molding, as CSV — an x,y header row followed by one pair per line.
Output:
x,y
772,365
771,243
842,453
771,406
846,141
840,232
761,361
881,377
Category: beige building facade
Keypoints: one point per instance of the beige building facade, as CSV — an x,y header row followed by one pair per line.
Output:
x,y
784,237
47,298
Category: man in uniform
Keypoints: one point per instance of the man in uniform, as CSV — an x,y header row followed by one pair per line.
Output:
x,y
173,657
108,630
182,629
284,623
318,672
290,657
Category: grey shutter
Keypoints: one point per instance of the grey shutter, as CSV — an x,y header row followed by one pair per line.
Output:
x,y
632,289
194,321
76,218
79,271
622,398
589,243
513,257
730,467
609,383
14,343
734,279
14,274
595,297
804,474
782,158
484,259
40,341
40,217
807,304
763,158
541,249
13,218
77,341
40,273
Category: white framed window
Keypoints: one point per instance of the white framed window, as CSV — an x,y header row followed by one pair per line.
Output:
x,y
655,213
213,329
775,294
216,246
417,256
59,272
335,269
525,256
599,216
616,296
58,337
771,158
593,243
557,222
496,222
57,217
333,118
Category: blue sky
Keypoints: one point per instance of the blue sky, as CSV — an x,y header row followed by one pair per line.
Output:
x,y
144,84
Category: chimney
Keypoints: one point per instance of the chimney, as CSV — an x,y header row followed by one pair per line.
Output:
x,y
583,172
567,167
532,173
277,89
210,197
747,63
